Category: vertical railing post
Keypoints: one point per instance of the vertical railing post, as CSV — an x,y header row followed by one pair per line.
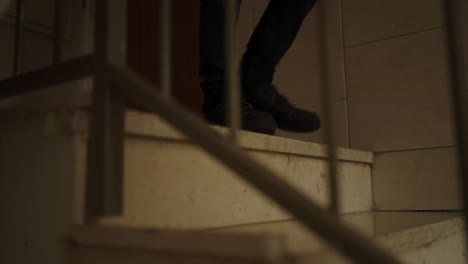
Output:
x,y
233,90
457,20
329,91
59,30
19,38
105,171
166,50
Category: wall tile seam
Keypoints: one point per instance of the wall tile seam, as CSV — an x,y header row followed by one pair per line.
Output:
x,y
382,152
311,156
345,80
394,37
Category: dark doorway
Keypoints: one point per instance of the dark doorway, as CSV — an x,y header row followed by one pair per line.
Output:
x,y
143,46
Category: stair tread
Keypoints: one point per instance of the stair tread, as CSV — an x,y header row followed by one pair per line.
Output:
x,y
396,231
149,125
195,243
441,241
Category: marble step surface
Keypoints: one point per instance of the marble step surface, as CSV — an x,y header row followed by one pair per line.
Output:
x,y
89,245
414,237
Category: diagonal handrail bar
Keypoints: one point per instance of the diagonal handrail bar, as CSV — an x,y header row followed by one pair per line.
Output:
x,y
19,38
46,77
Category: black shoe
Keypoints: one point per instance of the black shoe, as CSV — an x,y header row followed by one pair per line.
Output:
x,y
288,117
252,120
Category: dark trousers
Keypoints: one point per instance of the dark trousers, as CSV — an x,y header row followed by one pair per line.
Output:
x,y
271,39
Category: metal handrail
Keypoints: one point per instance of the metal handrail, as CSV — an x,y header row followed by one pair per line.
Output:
x,y
232,78
104,189
59,30
19,38
63,72
456,12
329,91
166,49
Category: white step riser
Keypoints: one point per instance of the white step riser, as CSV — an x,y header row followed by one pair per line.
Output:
x,y
176,185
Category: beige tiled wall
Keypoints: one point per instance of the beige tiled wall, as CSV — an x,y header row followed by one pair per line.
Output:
x,y
398,93
397,74
416,180
399,100
373,20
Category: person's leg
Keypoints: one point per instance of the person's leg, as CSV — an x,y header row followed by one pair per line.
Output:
x,y
212,42
272,38
270,41
212,70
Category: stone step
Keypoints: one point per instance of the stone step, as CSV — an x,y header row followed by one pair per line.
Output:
x,y
169,182
172,183
414,237
89,245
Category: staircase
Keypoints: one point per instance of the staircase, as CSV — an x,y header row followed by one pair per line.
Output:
x,y
182,206
413,237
